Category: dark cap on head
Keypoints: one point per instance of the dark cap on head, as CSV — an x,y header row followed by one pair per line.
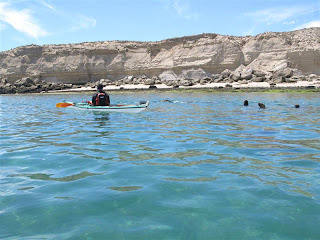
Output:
x,y
100,86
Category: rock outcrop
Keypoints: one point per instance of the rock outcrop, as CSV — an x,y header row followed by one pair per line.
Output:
x,y
202,57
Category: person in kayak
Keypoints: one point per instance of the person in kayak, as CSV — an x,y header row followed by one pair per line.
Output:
x,y
101,98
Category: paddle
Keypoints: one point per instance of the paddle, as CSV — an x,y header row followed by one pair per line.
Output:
x,y
64,104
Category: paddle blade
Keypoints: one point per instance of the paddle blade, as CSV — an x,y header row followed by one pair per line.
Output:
x,y
63,104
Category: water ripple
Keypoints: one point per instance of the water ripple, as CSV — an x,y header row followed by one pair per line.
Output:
x,y
202,160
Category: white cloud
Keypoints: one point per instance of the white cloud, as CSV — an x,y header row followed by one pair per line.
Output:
x,y
289,22
84,22
282,15
309,25
183,10
21,20
276,15
48,5
271,16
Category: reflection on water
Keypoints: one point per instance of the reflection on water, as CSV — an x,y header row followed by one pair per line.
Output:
x,y
200,179
126,188
66,198
25,188
47,177
209,163
101,118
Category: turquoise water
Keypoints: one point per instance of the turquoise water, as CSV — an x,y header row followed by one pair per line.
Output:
x,y
201,167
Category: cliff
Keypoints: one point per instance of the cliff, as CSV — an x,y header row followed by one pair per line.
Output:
x,y
90,61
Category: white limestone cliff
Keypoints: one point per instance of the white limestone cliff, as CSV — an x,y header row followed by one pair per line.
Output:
x,y
212,53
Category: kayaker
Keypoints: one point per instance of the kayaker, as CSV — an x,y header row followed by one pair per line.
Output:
x,y
101,98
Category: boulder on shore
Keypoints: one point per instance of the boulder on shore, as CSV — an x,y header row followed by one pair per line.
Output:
x,y
28,85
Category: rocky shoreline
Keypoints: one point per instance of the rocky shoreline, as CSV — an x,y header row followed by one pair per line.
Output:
x,y
193,79
270,59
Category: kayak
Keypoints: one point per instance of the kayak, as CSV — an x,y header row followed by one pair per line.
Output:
x,y
127,108
123,108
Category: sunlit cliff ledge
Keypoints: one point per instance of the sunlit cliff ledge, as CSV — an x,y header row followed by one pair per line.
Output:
x,y
205,56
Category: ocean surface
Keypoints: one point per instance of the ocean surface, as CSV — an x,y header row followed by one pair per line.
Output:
x,y
201,166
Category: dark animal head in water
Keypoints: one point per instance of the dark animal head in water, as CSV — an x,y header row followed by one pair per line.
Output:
x,y
261,105
297,106
245,103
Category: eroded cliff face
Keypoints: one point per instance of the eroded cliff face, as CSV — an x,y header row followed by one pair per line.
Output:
x,y
91,61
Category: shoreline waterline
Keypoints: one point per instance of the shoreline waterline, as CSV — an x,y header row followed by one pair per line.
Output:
x,y
217,90
303,86
215,86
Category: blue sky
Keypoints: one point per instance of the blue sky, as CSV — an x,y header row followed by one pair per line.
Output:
x,y
24,22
